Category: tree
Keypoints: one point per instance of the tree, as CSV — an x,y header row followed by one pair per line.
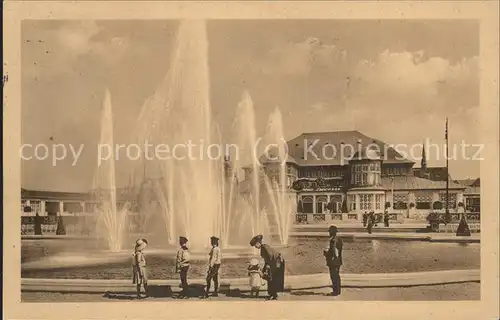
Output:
x,y
38,225
61,229
344,206
463,228
437,205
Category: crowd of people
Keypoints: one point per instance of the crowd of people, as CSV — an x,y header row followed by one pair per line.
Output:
x,y
273,270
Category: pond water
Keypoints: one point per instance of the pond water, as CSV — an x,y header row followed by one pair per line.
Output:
x,y
40,259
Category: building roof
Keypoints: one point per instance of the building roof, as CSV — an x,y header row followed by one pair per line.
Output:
x,y
433,173
416,183
470,182
273,157
53,195
335,148
472,191
123,194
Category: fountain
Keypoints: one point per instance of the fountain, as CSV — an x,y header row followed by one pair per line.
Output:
x,y
111,220
202,197
198,196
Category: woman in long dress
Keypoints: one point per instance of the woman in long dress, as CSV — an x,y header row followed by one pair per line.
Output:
x,y
274,267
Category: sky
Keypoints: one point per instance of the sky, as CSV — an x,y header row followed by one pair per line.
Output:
x,y
392,80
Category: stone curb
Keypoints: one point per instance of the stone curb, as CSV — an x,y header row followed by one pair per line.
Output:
x,y
393,236
352,235
298,282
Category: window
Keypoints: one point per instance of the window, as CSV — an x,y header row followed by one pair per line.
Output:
x,y
365,201
72,207
452,199
357,179
400,201
307,204
352,202
423,200
321,201
364,180
36,206
378,200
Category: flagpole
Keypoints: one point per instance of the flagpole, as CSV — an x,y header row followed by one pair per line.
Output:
x,y
447,210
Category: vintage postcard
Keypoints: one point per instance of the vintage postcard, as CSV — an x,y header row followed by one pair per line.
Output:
x,y
251,160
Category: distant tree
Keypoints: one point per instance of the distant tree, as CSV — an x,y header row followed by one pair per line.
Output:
x,y
61,229
344,206
38,225
463,228
437,205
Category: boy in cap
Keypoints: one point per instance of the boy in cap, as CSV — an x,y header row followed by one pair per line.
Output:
x,y
333,257
182,264
213,266
274,266
139,271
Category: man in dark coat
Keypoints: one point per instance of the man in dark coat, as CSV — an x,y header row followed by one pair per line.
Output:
x,y
274,267
333,257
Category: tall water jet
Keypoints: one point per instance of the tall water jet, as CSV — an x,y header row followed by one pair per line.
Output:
x,y
199,193
280,201
111,220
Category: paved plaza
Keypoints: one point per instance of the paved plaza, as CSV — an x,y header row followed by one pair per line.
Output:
x,y
448,292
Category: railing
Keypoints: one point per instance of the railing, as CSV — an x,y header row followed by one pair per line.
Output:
x,y
439,222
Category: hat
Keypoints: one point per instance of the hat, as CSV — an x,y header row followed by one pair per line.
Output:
x,y
183,240
256,239
140,244
254,262
332,229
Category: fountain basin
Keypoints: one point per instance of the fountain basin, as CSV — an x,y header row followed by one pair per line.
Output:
x,y
303,257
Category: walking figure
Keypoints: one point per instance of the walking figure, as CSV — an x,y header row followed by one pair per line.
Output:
x,y
370,222
386,218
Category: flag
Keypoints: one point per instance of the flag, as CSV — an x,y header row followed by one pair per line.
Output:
x,y
446,130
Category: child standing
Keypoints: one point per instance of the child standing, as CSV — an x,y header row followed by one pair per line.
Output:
x,y
140,275
182,265
255,277
213,266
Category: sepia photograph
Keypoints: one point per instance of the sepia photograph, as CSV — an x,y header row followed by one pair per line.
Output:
x,y
218,159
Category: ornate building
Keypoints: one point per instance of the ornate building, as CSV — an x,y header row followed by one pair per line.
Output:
x,y
341,175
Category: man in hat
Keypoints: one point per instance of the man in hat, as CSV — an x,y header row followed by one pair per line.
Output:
x,y
274,267
182,264
213,266
333,257
140,275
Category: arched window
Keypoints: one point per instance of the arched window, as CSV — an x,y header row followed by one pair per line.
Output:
x,y
307,204
321,202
